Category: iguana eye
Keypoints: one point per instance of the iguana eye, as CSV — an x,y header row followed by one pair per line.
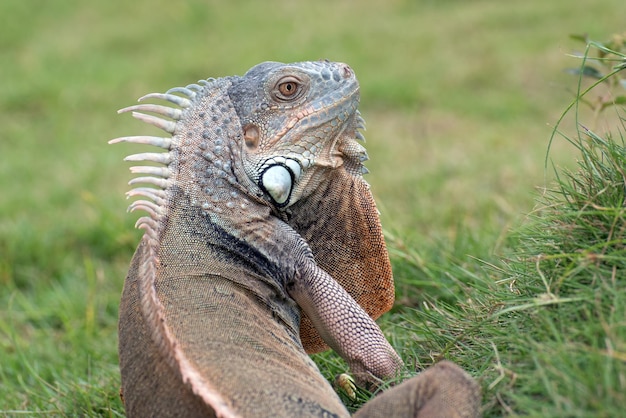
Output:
x,y
288,89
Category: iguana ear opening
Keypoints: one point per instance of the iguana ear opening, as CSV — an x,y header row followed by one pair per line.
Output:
x,y
251,136
340,222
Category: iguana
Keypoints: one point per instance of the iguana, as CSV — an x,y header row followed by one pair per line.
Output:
x,y
262,243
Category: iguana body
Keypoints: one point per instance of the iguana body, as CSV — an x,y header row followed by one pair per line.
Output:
x,y
259,215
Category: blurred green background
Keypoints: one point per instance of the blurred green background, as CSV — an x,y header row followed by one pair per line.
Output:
x,y
460,98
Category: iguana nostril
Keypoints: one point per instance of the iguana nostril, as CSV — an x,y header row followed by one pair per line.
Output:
x,y
347,71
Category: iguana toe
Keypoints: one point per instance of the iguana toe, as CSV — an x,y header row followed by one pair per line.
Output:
x,y
346,383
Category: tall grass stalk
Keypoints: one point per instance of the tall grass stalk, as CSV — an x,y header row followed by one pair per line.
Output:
x,y
542,326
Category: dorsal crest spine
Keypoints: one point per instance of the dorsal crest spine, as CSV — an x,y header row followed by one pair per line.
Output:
x,y
160,171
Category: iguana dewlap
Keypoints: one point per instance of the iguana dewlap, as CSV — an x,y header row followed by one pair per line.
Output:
x,y
258,217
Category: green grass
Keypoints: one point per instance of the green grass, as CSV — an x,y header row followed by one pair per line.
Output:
x,y
460,98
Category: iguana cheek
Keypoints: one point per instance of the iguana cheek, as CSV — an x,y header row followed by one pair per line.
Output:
x,y
277,182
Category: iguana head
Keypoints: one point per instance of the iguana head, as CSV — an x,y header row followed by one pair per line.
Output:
x,y
298,120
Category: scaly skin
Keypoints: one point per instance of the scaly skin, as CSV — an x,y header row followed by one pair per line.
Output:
x,y
232,252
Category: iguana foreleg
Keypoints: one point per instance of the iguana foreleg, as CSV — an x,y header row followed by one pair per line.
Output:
x,y
344,325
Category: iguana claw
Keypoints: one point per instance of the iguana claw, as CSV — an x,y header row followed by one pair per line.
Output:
x,y
345,382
